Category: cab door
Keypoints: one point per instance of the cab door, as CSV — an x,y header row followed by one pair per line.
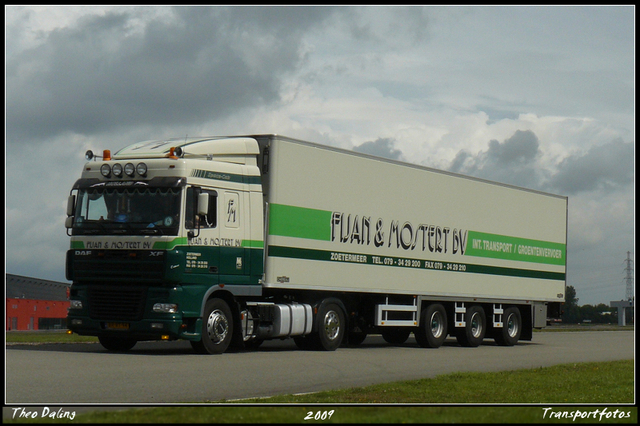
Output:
x,y
202,263
233,260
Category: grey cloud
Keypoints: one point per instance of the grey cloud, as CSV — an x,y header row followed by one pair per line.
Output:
x,y
382,147
512,161
202,63
515,161
601,167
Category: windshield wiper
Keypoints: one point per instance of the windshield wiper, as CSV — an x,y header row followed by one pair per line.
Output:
x,y
151,231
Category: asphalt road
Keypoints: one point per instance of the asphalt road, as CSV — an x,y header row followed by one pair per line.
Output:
x,y
169,372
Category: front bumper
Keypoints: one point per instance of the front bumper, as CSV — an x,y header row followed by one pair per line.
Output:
x,y
145,329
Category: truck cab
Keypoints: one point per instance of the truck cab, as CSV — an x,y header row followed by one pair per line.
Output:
x,y
157,227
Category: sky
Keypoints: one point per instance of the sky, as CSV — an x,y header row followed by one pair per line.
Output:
x,y
538,97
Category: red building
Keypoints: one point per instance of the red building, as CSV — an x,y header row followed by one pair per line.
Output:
x,y
34,304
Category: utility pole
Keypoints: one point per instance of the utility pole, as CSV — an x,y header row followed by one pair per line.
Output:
x,y
629,278
628,303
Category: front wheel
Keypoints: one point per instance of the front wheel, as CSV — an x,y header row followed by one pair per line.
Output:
x,y
117,344
217,328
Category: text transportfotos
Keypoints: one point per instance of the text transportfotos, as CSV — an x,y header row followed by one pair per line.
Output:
x,y
598,414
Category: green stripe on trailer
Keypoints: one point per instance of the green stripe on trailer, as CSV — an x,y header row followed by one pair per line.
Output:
x,y
299,222
514,248
408,263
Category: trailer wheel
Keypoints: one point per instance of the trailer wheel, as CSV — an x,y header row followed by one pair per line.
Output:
x,y
510,332
475,328
433,326
117,344
395,335
331,327
217,327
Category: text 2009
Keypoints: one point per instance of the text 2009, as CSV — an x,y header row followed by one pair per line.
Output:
x,y
319,415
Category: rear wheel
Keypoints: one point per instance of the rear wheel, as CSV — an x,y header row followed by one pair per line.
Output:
x,y
510,332
475,328
356,337
117,344
307,342
331,326
395,335
433,326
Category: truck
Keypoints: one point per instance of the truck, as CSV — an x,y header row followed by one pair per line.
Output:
x,y
229,241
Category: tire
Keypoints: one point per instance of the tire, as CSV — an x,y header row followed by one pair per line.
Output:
x,y
253,344
307,342
510,332
355,338
475,328
331,327
433,326
395,335
117,344
217,328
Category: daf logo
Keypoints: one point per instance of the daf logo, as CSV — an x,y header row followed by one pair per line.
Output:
x,y
83,252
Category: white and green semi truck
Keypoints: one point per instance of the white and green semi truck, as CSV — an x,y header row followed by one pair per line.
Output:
x,y
230,241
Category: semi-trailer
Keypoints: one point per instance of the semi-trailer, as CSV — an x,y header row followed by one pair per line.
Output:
x,y
228,241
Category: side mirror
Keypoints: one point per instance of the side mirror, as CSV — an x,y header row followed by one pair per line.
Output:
x,y
203,204
71,205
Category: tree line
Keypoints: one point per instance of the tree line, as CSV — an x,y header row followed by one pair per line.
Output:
x,y
599,314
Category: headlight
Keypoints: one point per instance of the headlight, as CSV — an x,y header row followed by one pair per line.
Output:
x,y
129,169
117,170
105,169
75,304
165,308
141,168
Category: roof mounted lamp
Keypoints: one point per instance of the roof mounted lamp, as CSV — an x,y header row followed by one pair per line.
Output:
x,y
89,155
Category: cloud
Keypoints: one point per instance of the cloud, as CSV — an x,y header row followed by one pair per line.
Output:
x,y
113,70
517,161
382,147
513,161
601,167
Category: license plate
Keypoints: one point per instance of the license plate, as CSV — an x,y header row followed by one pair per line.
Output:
x,y
117,325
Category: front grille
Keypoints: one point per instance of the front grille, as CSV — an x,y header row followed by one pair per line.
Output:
x,y
117,302
119,266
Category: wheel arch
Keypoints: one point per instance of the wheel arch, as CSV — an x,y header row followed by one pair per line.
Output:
x,y
219,293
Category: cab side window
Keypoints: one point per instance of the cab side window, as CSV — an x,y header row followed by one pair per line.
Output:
x,y
210,220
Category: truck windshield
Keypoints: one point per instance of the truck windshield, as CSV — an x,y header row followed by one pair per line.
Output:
x,y
138,211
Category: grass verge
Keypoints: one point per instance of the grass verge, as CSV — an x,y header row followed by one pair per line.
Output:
x,y
581,383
